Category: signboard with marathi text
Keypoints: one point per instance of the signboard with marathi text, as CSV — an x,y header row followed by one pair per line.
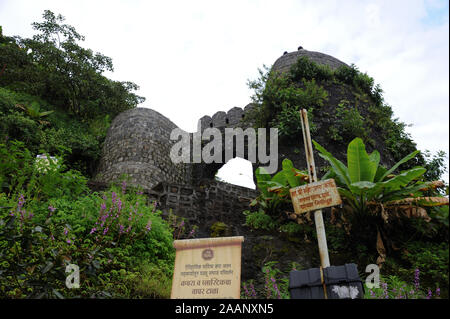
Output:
x,y
207,268
315,196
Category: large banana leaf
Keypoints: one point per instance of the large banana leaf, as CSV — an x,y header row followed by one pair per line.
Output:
x,y
360,166
339,168
375,158
410,191
290,173
404,178
393,168
280,178
380,172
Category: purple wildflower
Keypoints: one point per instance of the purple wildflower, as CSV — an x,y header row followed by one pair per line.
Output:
x,y
93,230
275,287
68,241
148,227
114,197
51,208
124,187
191,233
246,291
106,230
119,205
121,229
429,294
103,207
253,290
417,279
21,202
438,291
65,231
266,285
385,290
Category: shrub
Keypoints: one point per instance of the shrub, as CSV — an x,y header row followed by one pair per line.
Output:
x,y
431,259
108,244
392,287
259,220
349,122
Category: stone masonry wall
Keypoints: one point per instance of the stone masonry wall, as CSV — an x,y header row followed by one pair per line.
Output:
x,y
138,144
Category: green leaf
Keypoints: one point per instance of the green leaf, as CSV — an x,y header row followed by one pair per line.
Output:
x,y
409,191
289,172
262,175
47,267
339,168
360,166
280,178
58,294
362,186
403,160
404,178
381,170
346,193
375,158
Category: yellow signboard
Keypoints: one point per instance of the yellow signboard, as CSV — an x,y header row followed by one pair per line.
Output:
x,y
207,268
315,196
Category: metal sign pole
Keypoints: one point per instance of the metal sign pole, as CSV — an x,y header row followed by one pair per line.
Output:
x,y
318,218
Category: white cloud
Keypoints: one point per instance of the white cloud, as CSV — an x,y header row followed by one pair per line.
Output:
x,y
193,58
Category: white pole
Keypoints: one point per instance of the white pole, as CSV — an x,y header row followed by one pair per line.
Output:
x,y
318,218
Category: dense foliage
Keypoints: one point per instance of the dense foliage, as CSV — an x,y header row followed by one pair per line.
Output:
x,y
54,96
49,219
399,221
55,108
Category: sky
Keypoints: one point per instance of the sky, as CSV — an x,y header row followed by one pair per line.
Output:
x,y
194,58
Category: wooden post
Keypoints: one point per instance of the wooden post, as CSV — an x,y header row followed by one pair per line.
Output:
x,y
318,218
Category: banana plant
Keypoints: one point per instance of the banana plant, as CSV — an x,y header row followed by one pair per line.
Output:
x,y
274,191
371,189
364,181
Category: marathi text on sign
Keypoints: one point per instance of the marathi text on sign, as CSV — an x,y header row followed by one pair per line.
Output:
x,y
207,268
315,196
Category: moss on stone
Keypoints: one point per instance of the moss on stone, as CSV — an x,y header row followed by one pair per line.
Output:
x,y
219,229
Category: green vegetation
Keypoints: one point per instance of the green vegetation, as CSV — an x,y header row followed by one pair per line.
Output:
x,y
54,101
53,96
375,196
49,219
220,229
274,200
399,221
360,110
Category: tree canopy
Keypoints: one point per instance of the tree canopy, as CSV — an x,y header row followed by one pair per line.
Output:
x,y
53,66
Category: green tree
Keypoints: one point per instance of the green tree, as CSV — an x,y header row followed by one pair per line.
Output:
x,y
67,75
